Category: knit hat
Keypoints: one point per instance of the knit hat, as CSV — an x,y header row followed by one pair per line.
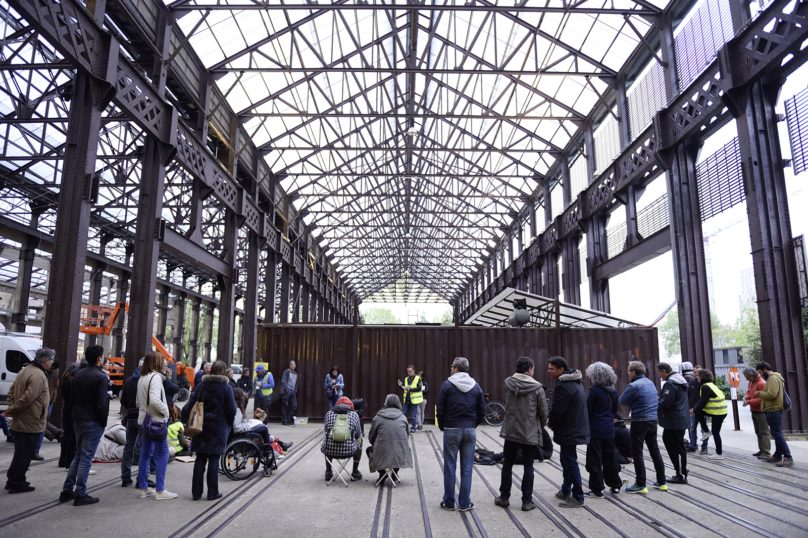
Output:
x,y
687,366
345,401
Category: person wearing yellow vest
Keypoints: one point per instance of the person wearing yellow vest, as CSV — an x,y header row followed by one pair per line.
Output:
x,y
263,385
413,395
711,403
177,443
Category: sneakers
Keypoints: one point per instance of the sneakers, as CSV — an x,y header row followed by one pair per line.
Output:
x,y
527,507
571,502
66,496
148,493
84,500
126,483
706,435
329,475
24,489
690,449
715,457
764,456
449,508
661,487
787,462
92,471
504,503
560,495
704,452
758,453
37,457
678,479
467,508
773,459
165,496
594,495
636,489
614,491
356,476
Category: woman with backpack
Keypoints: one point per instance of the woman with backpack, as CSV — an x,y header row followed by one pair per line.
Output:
x,y
422,406
216,394
343,437
334,384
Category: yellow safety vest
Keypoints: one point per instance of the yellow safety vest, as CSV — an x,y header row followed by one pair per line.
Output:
x,y
415,397
174,434
717,404
258,384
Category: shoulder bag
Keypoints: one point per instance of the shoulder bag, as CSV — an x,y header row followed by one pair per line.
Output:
x,y
196,420
153,430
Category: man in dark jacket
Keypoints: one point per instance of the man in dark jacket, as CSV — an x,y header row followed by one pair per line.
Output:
x,y
245,383
90,403
128,401
642,397
570,424
601,405
622,440
525,413
461,407
290,383
691,375
674,418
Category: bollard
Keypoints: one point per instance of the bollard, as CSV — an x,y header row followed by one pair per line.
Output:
x,y
734,395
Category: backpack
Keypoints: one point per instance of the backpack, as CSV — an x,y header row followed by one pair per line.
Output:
x,y
425,389
786,400
341,430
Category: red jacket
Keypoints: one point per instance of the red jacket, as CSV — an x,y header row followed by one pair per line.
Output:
x,y
754,401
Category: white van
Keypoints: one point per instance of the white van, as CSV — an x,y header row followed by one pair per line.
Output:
x,y
16,351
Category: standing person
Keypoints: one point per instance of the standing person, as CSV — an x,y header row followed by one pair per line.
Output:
x,y
772,406
68,448
290,383
674,418
28,400
90,408
525,414
128,400
419,422
601,405
764,437
691,375
230,381
220,412
413,395
245,384
461,407
51,432
151,400
642,397
264,385
334,384
570,424
711,402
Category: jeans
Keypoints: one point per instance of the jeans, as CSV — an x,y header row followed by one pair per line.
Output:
x,y
88,434
568,455
694,435
509,457
454,440
42,435
132,431
212,462
411,412
332,401
4,426
160,451
602,465
24,444
419,421
289,407
262,402
764,437
262,429
646,432
775,421
674,441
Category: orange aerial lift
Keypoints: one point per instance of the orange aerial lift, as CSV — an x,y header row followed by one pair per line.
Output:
x,y
101,320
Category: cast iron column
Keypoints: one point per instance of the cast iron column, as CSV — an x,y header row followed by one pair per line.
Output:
x,y
209,313
178,331
296,296
227,289
251,300
22,293
596,252
285,285
193,340
571,260
271,285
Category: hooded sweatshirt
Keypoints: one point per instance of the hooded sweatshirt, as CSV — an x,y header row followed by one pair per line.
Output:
x,y
601,405
525,410
568,414
674,407
460,402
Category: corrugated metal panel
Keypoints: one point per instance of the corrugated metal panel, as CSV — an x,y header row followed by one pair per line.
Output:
x,y
383,354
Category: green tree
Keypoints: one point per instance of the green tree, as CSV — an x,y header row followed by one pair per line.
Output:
x,y
746,333
379,316
723,335
445,317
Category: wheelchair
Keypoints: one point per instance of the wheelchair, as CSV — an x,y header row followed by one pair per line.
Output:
x,y
244,454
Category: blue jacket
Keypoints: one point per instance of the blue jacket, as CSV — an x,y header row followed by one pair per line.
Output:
x,y
338,387
460,403
601,404
220,412
642,397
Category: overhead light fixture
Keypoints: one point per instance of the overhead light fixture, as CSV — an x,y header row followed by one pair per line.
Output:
x,y
412,131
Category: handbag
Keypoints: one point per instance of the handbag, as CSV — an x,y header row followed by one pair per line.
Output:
x,y
153,430
329,393
196,420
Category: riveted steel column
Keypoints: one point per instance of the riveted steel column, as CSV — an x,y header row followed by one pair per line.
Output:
x,y
550,275
596,253
193,338
304,301
271,285
209,313
250,340
227,289
178,331
571,261
286,283
296,296
22,293
162,319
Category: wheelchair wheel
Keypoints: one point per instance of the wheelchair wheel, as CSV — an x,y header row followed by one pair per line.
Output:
x,y
182,395
494,413
241,460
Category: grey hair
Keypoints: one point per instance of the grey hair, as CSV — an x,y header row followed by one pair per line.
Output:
x,y
636,366
392,400
140,363
44,355
601,374
461,363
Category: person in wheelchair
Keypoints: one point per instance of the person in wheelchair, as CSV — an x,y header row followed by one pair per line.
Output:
x,y
343,437
388,436
243,425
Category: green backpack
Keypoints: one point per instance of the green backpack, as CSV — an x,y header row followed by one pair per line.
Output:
x,y
341,430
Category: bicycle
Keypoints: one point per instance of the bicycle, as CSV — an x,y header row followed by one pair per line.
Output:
x,y
245,454
494,411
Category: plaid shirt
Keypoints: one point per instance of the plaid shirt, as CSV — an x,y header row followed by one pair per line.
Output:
x,y
345,449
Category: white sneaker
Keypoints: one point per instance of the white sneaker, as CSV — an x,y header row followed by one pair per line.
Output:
x,y
715,457
706,435
148,493
92,471
164,496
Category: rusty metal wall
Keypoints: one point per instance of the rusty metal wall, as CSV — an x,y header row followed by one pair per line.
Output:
x,y
382,354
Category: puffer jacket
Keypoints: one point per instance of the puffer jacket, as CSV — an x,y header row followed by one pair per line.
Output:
x,y
220,413
153,393
28,400
389,435
568,416
525,410
642,397
601,405
673,407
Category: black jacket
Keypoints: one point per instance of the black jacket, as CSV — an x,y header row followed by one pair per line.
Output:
x,y
88,396
129,396
693,387
220,411
245,384
622,439
568,413
171,389
460,403
673,410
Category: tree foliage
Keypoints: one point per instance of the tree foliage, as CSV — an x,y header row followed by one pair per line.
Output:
x,y
379,316
669,330
746,333
444,317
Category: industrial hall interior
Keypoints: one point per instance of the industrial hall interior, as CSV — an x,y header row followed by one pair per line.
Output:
x,y
404,268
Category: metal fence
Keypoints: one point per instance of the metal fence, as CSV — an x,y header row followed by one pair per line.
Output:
x,y
797,116
700,37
